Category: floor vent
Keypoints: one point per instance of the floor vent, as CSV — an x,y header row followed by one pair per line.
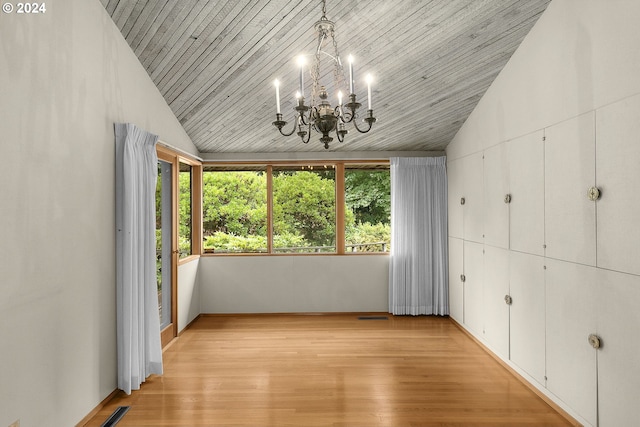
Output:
x,y
116,416
373,318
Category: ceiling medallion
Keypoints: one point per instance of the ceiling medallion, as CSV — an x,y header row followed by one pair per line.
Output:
x,y
320,115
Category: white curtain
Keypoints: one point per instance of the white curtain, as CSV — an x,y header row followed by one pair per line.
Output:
x,y
138,322
418,272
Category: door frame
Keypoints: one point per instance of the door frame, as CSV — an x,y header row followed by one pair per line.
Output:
x,y
168,155
170,331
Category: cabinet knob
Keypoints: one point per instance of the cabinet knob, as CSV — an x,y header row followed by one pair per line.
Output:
x,y
508,299
593,193
595,341
463,278
462,201
507,198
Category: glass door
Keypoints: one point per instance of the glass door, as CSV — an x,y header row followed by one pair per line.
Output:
x,y
166,251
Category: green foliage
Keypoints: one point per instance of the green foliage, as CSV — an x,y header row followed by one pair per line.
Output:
x,y
289,240
158,258
184,213
368,195
364,233
159,199
221,242
235,203
184,246
304,203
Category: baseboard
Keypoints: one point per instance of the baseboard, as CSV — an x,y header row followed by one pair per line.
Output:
x,y
302,313
516,374
113,394
97,409
189,324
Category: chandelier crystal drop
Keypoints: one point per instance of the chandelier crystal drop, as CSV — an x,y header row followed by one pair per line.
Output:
x,y
320,115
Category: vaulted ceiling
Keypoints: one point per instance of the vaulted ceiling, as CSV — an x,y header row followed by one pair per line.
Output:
x,y
214,61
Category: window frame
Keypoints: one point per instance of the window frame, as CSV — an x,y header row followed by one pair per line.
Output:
x,y
259,166
340,231
196,209
172,156
387,165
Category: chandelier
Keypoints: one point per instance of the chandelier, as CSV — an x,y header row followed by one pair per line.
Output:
x,y
320,115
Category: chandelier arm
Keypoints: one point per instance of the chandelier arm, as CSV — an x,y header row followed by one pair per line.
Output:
x,y
348,117
303,119
290,133
353,106
370,120
313,112
279,123
308,135
355,124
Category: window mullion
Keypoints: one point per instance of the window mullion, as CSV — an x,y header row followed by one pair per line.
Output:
x,y
269,209
340,209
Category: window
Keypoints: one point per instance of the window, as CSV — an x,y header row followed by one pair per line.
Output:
x,y
185,217
304,209
367,191
285,208
164,266
234,200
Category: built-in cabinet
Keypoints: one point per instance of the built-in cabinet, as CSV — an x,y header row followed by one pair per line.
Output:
x,y
569,172
527,314
545,258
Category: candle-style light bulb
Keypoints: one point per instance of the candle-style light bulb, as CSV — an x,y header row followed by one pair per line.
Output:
x,y
351,74
301,62
369,79
340,97
276,83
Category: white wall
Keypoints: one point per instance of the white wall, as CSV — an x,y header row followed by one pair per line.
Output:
x,y
562,116
581,55
297,284
284,284
65,77
188,293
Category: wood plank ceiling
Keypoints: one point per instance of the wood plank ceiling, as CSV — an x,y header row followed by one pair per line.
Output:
x,y
214,61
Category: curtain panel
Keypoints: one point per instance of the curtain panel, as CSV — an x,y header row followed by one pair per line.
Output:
x,y
138,322
418,271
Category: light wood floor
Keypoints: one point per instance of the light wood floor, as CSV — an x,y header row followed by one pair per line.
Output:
x,y
330,370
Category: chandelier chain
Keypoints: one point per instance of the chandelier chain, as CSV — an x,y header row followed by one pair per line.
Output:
x,y
315,71
338,71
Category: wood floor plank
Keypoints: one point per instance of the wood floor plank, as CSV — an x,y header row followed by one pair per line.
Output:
x,y
330,370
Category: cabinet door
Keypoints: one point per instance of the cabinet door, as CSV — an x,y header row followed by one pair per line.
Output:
x,y
496,286
473,271
526,183
618,160
496,186
570,222
619,356
456,290
526,282
571,317
455,183
473,208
